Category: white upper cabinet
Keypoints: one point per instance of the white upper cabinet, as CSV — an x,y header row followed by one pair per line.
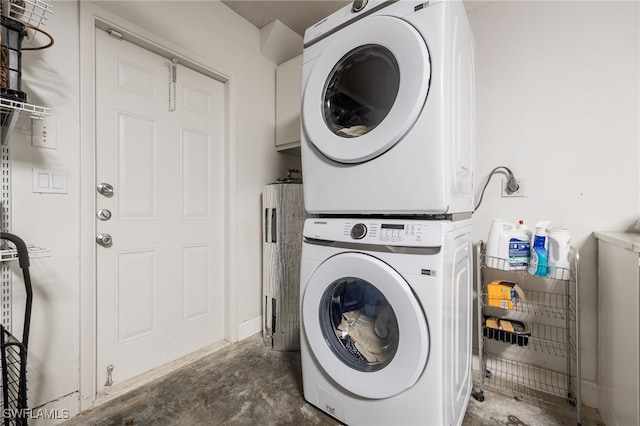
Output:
x,y
288,80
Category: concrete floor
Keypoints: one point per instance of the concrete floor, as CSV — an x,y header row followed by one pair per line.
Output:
x,y
250,384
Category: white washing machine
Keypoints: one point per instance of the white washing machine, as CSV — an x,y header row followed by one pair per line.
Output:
x,y
388,110
386,308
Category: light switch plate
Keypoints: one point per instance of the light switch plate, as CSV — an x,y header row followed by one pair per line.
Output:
x,y
49,181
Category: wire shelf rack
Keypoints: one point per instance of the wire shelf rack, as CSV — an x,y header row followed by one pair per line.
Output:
x,y
526,379
9,106
10,110
553,272
543,338
544,359
35,252
31,12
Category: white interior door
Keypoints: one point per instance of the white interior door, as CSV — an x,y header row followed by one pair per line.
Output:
x,y
160,146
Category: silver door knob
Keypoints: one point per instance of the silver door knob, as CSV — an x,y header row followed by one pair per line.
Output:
x,y
103,214
104,240
105,189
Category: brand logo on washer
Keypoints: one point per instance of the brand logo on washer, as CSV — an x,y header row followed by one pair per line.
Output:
x,y
429,272
319,222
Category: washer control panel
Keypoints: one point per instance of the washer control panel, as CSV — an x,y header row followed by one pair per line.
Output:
x,y
421,233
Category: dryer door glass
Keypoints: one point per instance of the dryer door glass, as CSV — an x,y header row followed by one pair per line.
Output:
x,y
365,90
361,90
359,324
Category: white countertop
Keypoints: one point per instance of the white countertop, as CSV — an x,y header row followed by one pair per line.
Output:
x,y
627,240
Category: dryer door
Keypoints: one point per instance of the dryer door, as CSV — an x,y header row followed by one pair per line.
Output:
x,y
365,326
366,89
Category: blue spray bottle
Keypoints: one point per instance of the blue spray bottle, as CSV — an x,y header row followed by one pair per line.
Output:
x,y
538,265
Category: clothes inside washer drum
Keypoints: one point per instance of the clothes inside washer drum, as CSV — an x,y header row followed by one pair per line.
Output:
x,y
374,338
354,131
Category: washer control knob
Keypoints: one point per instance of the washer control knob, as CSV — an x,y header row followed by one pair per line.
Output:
x,y
358,231
358,5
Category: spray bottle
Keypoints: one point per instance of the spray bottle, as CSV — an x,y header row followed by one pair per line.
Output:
x,y
538,265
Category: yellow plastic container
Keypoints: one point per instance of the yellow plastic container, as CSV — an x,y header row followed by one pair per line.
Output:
x,y
502,294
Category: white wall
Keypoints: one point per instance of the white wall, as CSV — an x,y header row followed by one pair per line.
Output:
x,y
51,78
558,103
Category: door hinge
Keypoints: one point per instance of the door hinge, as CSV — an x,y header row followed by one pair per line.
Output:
x,y
115,34
173,76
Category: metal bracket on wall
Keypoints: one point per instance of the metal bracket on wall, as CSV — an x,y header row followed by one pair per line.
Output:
x,y
5,225
9,112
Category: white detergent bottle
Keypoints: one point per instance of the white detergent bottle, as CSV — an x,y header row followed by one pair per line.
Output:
x,y
497,250
559,247
520,246
538,264
507,247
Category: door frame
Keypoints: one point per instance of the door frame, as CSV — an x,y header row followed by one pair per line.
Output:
x,y
93,17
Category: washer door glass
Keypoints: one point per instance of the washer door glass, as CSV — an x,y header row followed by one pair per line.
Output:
x,y
359,324
364,325
366,89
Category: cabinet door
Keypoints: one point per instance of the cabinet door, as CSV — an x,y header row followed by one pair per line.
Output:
x,y
288,81
618,331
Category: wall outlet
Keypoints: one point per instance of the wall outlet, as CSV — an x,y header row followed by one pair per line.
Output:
x,y
44,133
521,192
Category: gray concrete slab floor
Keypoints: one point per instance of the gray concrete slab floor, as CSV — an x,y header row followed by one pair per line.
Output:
x,y
250,384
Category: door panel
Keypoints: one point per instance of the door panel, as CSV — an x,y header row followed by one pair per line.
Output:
x,y
136,287
160,284
134,78
136,172
196,174
195,274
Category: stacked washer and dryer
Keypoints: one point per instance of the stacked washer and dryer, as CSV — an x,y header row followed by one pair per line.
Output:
x,y
388,156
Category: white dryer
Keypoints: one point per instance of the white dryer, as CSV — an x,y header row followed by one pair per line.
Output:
x,y
386,308
388,110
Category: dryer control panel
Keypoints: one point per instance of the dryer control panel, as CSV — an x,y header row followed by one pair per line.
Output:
x,y
392,232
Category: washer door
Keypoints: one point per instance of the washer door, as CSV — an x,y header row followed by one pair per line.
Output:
x,y
365,326
366,89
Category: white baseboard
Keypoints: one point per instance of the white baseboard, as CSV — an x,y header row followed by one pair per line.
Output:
x,y
589,394
249,327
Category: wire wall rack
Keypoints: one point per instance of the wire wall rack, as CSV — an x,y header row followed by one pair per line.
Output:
x,y
30,12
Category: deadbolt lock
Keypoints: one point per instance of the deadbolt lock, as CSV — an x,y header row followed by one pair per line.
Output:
x,y
103,214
